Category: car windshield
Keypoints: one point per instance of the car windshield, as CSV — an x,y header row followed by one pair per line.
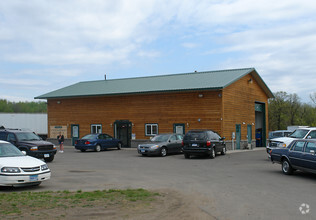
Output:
x,y
299,133
160,138
195,136
277,134
27,136
9,150
286,134
89,136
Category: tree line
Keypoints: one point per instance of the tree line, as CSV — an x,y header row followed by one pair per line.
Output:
x,y
284,110
287,109
22,107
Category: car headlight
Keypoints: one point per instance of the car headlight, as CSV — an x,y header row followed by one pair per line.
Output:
x,y
34,148
54,147
154,147
10,170
281,144
44,167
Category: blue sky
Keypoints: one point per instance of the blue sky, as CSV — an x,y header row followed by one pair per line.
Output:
x,y
46,45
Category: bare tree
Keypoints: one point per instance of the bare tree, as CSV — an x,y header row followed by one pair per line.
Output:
x,y
278,110
313,97
294,106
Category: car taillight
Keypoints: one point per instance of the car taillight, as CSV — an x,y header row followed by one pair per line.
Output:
x,y
87,142
182,143
76,142
208,143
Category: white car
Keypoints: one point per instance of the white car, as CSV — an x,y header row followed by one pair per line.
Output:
x,y
300,133
17,169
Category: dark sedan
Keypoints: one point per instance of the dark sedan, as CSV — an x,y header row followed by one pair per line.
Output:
x,y
162,145
299,155
97,142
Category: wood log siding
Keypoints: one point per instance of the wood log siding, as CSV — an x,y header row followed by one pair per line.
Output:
x,y
234,105
165,109
239,106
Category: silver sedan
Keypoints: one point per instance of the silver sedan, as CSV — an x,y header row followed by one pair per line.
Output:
x,y
162,145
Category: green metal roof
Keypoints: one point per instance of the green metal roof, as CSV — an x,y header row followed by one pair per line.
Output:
x,y
210,80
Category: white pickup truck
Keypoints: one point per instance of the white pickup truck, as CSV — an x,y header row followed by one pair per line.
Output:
x,y
300,133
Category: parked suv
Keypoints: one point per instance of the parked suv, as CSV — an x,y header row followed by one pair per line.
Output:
x,y
203,142
300,133
279,133
29,142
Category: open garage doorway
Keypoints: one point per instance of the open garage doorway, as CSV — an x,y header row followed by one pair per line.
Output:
x,y
260,114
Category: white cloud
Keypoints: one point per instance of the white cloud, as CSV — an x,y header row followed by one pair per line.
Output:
x,y
17,98
69,39
22,82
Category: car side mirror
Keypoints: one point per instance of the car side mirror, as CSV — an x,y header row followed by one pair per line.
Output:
x,y
312,152
223,138
23,152
309,137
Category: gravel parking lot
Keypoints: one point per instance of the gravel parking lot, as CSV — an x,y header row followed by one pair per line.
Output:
x,y
243,185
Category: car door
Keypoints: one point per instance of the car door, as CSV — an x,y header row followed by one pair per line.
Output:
x,y
215,139
179,142
311,135
109,141
309,156
12,139
296,153
101,141
172,144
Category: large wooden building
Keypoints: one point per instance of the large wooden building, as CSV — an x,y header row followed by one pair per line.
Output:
x,y
233,103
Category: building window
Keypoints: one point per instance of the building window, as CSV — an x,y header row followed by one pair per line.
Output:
x,y
151,129
96,129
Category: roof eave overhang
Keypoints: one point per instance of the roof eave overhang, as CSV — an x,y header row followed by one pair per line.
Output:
x,y
131,93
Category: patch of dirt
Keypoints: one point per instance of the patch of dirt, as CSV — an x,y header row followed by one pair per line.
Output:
x,y
169,205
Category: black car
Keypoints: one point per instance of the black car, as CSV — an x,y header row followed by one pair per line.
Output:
x,y
203,142
29,142
299,155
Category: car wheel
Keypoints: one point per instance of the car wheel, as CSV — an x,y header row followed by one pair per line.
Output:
x,y
187,156
119,146
213,154
83,150
49,159
97,148
223,151
286,167
163,152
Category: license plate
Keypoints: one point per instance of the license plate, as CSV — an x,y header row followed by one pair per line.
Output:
x,y
34,178
142,150
46,155
194,145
